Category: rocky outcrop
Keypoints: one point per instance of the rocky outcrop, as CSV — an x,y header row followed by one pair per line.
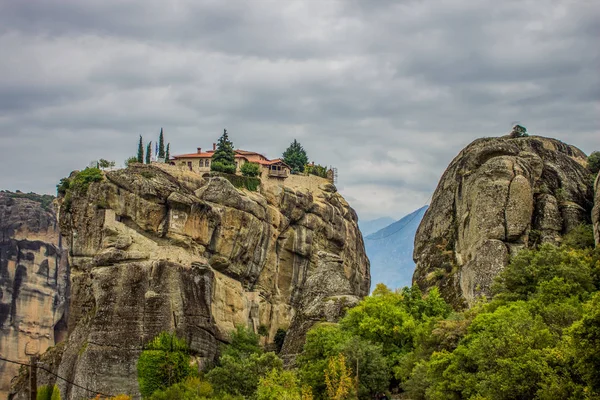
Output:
x,y
155,248
499,195
33,282
596,211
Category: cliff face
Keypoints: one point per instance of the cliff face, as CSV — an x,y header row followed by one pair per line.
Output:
x,y
33,283
498,195
158,249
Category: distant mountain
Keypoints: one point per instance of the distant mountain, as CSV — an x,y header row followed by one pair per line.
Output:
x,y
373,225
390,251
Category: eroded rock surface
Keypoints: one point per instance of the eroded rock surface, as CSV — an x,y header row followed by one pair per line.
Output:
x,y
159,249
498,195
33,283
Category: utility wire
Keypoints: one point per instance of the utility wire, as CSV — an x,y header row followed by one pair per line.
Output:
x,y
58,376
403,226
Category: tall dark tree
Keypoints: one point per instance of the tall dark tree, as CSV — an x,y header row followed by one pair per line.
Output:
x,y
140,153
295,156
223,159
168,153
149,153
161,145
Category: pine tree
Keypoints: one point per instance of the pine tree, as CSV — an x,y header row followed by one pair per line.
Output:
x,y
295,156
223,159
168,153
149,153
161,145
140,153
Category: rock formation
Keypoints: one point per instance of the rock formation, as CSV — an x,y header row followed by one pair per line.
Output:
x,y
499,195
33,282
155,248
596,211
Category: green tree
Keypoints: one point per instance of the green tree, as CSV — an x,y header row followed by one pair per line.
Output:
x,y
250,169
340,385
168,153
242,364
585,337
279,385
164,362
161,144
48,392
130,161
140,152
594,162
223,159
295,156
149,153
103,164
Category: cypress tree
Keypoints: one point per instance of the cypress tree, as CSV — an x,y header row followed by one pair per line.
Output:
x,y
140,153
295,156
161,145
223,159
148,152
168,153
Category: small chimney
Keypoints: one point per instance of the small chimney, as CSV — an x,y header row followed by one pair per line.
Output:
x,y
199,150
214,146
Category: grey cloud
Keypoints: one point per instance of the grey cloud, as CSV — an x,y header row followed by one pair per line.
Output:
x,y
386,91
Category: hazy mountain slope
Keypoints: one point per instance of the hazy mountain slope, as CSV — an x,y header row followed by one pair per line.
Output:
x,y
373,225
390,251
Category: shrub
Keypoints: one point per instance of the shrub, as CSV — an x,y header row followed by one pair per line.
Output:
x,y
81,181
130,161
219,166
243,182
250,169
581,237
164,362
594,162
280,385
316,169
191,388
63,186
47,392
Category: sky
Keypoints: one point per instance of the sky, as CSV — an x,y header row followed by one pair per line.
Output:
x,y
386,91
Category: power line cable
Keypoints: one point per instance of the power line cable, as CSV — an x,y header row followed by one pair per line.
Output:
x,y
56,375
403,226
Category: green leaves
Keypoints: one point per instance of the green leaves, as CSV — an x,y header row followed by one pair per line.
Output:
x,y
223,159
295,156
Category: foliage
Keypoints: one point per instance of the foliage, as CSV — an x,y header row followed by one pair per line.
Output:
x,y
192,388
243,182
580,237
103,164
585,341
295,156
45,200
130,161
316,169
519,131
242,364
279,338
164,362
168,153
250,169
161,144
223,159
48,392
149,152
140,151
281,385
81,181
594,162
337,379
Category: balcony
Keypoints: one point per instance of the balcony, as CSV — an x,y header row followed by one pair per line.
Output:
x,y
278,173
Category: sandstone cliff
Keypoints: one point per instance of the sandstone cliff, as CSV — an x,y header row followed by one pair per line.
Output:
x,y
154,248
498,195
33,282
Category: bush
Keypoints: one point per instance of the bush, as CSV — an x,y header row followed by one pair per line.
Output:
x,y
219,166
164,362
130,161
316,169
594,162
47,392
81,181
250,169
281,385
243,182
190,389
581,237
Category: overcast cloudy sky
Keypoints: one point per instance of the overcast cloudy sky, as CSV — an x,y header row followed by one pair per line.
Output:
x,y
387,91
